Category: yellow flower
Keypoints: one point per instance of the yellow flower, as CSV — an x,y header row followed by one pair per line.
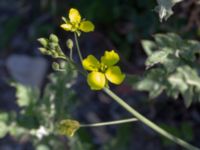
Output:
x,y
75,23
103,71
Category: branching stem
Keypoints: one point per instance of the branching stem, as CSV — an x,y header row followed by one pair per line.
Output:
x,y
109,123
136,114
148,122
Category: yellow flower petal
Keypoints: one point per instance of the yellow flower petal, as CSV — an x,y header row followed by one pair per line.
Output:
x,y
66,26
96,80
90,63
74,16
114,75
110,58
86,26
68,127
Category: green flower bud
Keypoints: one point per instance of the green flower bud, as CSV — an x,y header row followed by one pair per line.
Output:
x,y
55,66
70,43
43,50
68,127
53,46
43,42
62,64
53,38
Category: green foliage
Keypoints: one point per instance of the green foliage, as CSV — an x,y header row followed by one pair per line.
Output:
x,y
39,115
172,67
77,144
121,140
164,8
184,131
25,95
3,124
9,29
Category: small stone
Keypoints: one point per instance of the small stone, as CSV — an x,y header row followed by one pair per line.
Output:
x,y
27,70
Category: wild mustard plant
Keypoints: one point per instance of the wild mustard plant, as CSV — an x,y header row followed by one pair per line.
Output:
x,y
100,72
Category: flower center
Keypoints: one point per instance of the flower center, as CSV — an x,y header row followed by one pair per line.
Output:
x,y
103,68
75,26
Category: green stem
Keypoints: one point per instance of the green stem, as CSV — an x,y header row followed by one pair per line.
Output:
x,y
71,54
109,123
77,47
80,70
148,122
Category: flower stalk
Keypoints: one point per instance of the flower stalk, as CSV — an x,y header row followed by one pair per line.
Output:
x,y
148,122
109,123
77,47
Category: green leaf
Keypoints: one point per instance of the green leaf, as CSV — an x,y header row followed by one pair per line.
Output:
x,y
4,117
42,147
152,82
170,40
191,76
25,94
17,131
188,97
189,50
177,82
4,129
157,57
148,46
164,8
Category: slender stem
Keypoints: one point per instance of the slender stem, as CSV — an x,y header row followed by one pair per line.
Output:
x,y
109,123
77,47
148,122
71,54
80,70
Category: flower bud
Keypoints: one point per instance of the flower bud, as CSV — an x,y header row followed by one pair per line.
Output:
x,y
43,42
53,38
70,43
55,66
52,46
68,127
42,50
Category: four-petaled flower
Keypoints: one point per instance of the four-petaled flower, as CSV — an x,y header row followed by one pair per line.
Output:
x,y
76,24
103,71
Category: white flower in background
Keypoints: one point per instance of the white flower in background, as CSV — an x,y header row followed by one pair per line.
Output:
x,y
40,132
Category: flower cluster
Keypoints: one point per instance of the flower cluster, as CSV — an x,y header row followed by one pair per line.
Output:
x,y
103,71
100,71
75,23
